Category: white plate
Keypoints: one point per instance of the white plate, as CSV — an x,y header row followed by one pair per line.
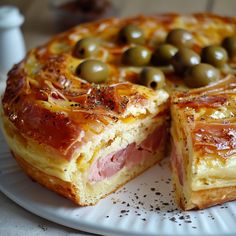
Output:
x,y
145,206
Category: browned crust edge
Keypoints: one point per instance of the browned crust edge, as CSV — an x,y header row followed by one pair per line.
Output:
x,y
62,187
210,197
202,199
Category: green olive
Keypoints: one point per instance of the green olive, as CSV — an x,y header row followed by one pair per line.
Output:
x,y
163,54
131,34
229,43
180,38
94,71
152,78
214,55
136,56
201,75
86,48
183,59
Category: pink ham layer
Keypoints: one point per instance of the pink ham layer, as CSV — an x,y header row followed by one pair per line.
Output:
x,y
130,156
177,163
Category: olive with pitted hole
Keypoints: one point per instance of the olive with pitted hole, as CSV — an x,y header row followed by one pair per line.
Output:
x,y
152,78
214,55
180,38
131,34
229,43
201,75
94,71
136,56
183,59
86,48
163,54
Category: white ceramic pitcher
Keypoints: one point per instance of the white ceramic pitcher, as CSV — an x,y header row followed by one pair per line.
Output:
x,y
12,46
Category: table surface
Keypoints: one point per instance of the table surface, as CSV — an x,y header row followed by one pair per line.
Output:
x,y
15,220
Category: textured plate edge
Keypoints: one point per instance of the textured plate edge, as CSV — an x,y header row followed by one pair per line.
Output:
x,y
88,228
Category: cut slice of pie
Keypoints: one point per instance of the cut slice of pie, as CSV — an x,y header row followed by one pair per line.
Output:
x,y
204,144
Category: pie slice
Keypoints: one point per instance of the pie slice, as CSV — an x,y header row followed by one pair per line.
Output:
x,y
203,156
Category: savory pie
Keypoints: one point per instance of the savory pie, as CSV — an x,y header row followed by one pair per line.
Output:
x,y
88,111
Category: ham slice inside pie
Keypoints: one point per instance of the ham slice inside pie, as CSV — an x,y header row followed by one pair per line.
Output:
x,y
204,145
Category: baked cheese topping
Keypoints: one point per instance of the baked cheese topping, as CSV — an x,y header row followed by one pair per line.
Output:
x,y
48,100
